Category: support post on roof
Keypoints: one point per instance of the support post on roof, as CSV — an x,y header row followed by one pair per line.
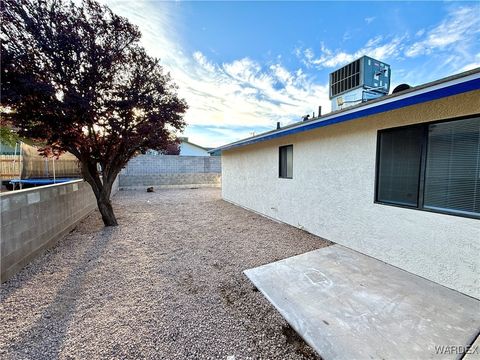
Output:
x,y
319,111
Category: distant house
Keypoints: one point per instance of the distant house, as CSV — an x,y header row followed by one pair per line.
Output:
x,y
396,178
188,148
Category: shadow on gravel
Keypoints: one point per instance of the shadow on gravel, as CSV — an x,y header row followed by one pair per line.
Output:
x,y
44,339
31,270
28,272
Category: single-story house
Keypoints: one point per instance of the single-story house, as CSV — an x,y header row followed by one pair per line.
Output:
x,y
396,178
188,148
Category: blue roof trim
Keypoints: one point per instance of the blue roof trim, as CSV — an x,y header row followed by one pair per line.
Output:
x,y
393,105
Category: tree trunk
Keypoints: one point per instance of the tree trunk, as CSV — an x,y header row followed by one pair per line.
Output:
x,y
102,189
105,208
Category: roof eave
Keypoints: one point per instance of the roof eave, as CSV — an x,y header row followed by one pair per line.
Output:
x,y
463,82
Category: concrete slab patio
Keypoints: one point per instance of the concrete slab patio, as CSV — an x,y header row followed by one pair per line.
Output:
x,y
350,306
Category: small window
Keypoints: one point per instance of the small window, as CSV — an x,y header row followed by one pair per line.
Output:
x,y
286,162
434,167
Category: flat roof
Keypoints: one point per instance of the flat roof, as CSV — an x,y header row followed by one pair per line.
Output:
x,y
449,86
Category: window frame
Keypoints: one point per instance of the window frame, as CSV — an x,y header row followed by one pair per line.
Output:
x,y
423,166
280,161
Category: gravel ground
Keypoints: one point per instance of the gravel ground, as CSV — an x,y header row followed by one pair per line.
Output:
x,y
167,283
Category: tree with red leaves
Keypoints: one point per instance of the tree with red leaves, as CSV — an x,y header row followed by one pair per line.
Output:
x,y
172,149
76,78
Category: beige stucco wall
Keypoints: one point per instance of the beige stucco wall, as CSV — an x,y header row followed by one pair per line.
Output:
x,y
332,195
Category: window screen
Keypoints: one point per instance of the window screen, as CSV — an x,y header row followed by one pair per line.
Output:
x,y
286,162
399,165
432,166
452,174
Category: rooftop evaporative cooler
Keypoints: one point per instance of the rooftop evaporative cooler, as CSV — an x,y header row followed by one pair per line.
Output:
x,y
362,80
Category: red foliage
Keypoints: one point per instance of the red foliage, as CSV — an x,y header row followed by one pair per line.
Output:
x,y
77,79
172,149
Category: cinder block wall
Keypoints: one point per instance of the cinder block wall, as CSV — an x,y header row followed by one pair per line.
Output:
x,y
34,219
171,171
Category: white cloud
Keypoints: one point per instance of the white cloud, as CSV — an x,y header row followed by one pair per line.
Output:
x,y
378,47
473,65
455,32
420,32
240,95
203,62
451,42
232,99
347,36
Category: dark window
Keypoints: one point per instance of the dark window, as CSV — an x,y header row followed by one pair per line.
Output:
x,y
433,167
399,165
286,161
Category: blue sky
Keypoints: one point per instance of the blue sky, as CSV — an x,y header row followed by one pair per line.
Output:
x,y
243,66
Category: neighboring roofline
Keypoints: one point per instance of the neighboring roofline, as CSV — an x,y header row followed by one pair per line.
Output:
x,y
452,85
198,146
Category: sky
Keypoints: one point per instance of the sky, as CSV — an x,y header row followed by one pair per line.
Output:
x,y
244,66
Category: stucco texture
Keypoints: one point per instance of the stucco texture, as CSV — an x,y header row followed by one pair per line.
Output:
x,y
332,195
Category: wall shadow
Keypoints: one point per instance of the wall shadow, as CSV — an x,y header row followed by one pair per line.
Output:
x,y
44,339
